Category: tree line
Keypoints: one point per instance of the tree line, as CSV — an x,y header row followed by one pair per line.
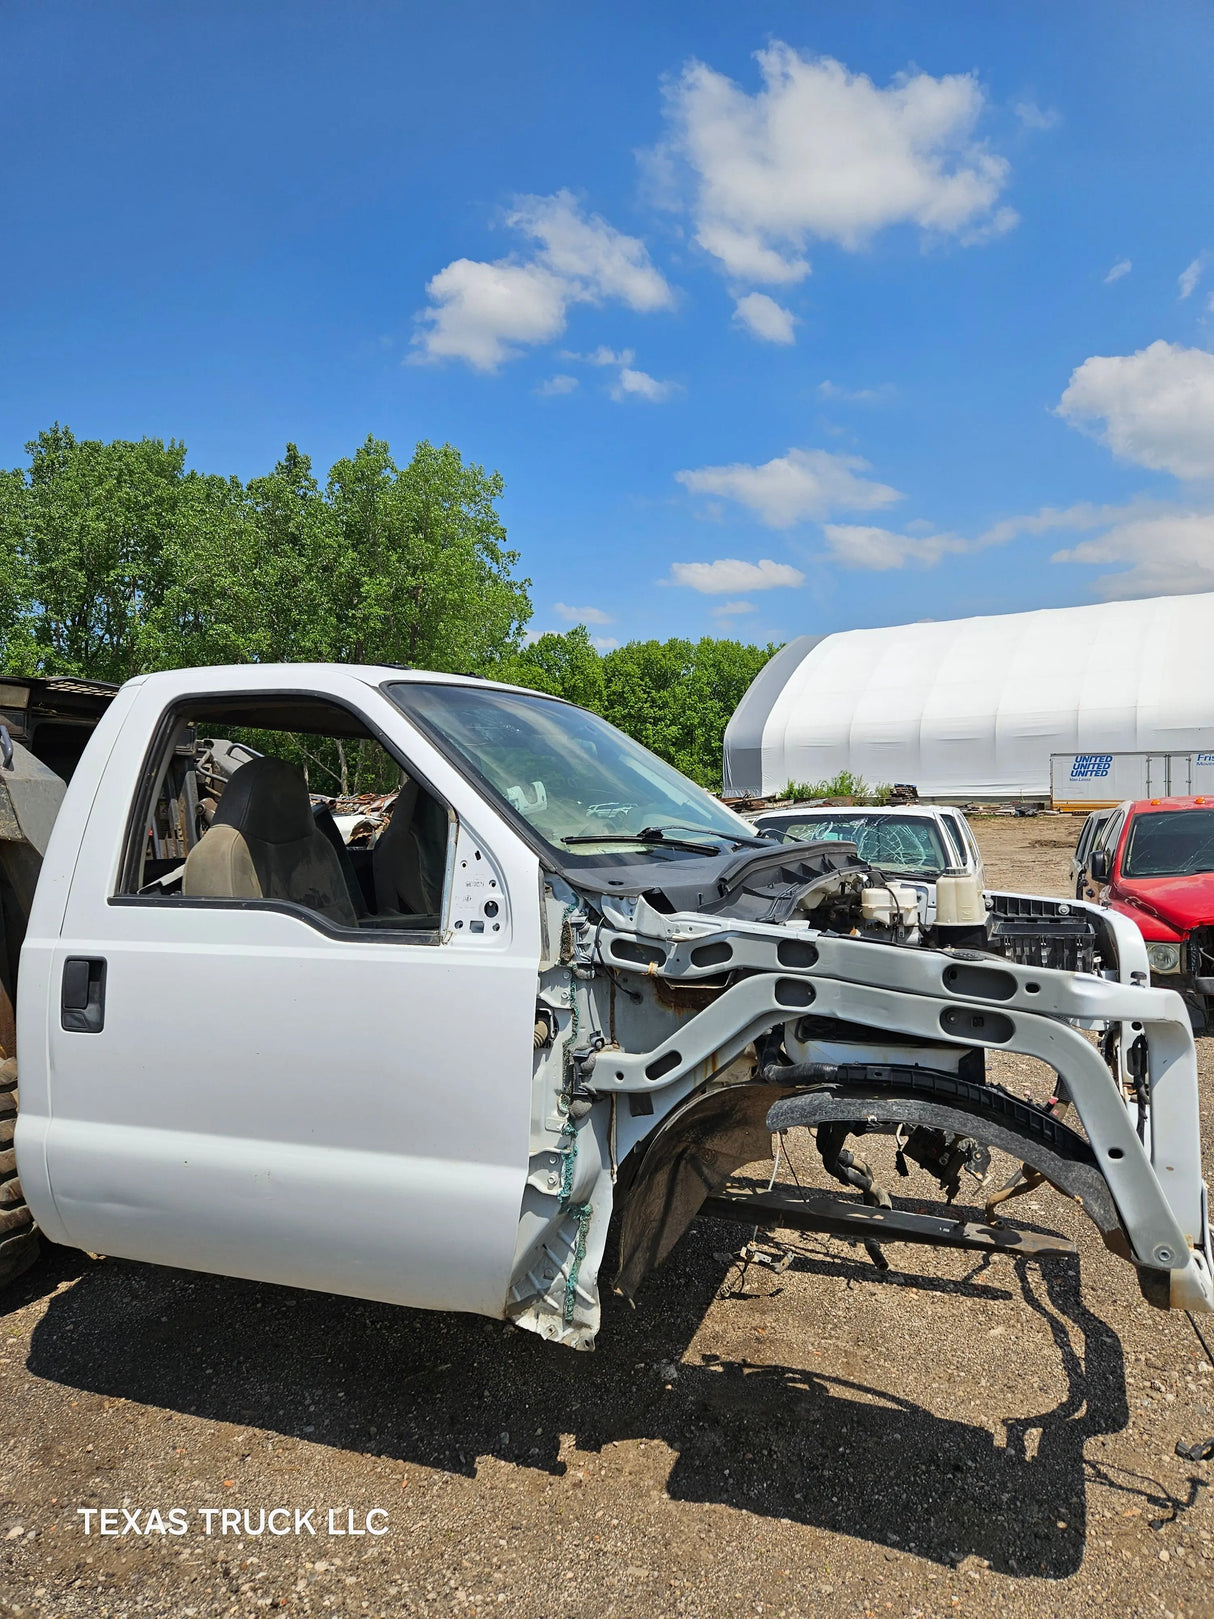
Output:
x,y
116,560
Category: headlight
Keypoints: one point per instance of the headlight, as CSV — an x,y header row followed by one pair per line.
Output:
x,y
1165,958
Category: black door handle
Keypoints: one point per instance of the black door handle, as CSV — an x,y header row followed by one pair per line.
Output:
x,y
82,1001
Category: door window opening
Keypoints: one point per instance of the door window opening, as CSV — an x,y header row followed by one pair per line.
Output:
x,y
289,802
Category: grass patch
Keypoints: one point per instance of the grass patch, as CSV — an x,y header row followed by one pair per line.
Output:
x,y
845,785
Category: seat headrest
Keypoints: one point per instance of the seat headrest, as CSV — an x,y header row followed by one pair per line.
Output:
x,y
267,799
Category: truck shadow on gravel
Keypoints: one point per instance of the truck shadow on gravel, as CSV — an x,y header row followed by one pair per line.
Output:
x,y
443,1390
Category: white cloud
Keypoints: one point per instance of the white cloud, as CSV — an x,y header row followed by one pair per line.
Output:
x,y
1191,274
479,312
554,386
879,549
1000,222
606,643
728,575
822,153
605,356
1157,547
590,253
763,317
1154,547
1156,406
1079,517
581,615
801,484
1122,267
632,384
1170,553
857,396
1034,117
734,609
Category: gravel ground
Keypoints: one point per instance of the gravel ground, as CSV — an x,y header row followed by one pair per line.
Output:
x,y
814,1439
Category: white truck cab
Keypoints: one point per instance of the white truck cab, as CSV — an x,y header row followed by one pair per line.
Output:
x,y
270,1084
560,981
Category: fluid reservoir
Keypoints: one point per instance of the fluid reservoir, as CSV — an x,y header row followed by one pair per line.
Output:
x,y
959,902
897,903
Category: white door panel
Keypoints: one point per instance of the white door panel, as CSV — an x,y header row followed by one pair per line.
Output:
x,y
266,1099
303,1099
337,1220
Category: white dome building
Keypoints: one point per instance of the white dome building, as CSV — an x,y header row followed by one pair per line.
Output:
x,y
974,707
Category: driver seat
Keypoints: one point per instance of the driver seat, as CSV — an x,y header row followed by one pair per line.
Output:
x,y
265,844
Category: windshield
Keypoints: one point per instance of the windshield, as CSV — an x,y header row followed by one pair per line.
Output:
x,y
583,785
905,844
1173,843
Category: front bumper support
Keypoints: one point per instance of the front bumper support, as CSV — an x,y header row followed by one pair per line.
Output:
x,y
962,999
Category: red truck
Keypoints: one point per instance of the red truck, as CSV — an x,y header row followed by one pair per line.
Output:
x,y
1153,860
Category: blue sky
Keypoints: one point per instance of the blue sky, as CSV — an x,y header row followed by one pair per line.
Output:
x,y
776,318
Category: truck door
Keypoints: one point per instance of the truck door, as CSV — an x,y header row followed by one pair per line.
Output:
x,y
1092,887
290,1027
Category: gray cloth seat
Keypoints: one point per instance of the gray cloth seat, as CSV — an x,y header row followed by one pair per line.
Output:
x,y
322,815
264,844
409,860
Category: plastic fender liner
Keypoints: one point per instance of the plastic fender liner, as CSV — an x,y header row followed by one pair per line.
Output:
x,y
990,1114
689,1159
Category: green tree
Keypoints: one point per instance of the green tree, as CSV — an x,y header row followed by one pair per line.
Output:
x,y
677,697
90,530
720,673
565,665
114,559
210,609
249,581
14,574
415,567
286,602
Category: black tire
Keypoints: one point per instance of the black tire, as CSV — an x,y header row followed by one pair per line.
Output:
x,y
19,1245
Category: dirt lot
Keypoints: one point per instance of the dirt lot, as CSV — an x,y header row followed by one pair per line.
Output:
x,y
948,1439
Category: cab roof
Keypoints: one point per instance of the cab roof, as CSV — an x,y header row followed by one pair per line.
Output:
x,y
279,677
928,811
1156,806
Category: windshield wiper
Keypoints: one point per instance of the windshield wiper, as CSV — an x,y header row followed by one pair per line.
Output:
x,y
737,839
651,836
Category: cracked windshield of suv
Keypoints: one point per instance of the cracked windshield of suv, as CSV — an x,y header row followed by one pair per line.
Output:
x,y
585,787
